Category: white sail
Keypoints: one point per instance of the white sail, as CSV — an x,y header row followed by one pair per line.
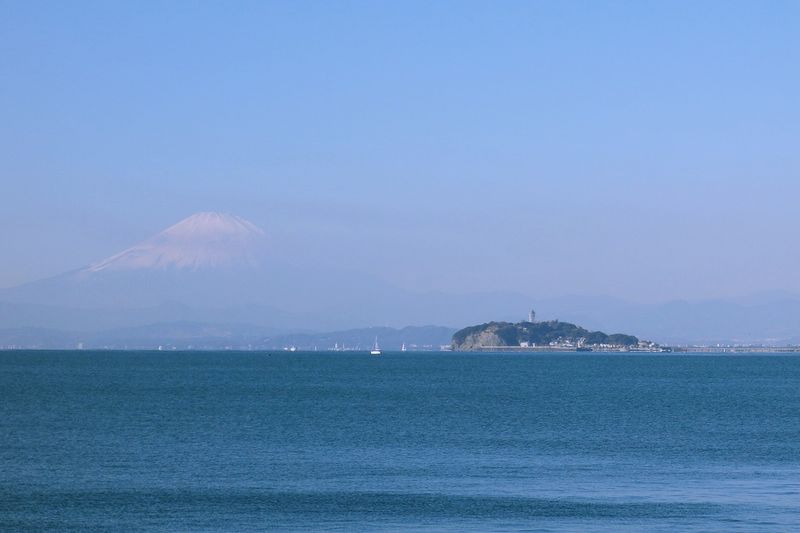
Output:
x,y
375,349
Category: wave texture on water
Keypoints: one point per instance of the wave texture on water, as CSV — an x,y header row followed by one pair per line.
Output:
x,y
305,441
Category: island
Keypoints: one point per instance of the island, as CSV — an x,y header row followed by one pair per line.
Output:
x,y
552,335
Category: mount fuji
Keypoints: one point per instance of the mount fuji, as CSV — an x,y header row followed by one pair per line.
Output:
x,y
203,240
220,268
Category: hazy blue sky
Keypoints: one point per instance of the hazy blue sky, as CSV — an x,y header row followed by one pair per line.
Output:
x,y
637,149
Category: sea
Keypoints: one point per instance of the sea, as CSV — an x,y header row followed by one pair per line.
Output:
x,y
345,441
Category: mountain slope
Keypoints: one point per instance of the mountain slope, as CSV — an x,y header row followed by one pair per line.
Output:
x,y
203,240
211,265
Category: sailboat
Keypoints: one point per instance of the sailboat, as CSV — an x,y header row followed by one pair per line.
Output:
x,y
375,349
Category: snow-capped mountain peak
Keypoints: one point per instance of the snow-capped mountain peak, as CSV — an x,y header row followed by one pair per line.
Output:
x,y
203,240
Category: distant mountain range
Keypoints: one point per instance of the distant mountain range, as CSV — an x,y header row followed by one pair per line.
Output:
x,y
215,270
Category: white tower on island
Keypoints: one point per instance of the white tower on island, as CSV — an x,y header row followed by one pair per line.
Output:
x,y
531,316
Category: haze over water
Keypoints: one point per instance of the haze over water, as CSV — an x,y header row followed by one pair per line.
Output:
x,y
305,441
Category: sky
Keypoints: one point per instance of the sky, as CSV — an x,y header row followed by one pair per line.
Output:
x,y
642,150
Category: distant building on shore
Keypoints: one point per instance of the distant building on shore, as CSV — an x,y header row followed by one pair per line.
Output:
x,y
531,316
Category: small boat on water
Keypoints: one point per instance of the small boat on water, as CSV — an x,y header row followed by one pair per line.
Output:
x,y
375,349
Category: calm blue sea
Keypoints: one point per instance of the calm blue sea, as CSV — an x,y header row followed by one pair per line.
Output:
x,y
332,441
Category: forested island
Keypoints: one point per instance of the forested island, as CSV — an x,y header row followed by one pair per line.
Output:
x,y
549,335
